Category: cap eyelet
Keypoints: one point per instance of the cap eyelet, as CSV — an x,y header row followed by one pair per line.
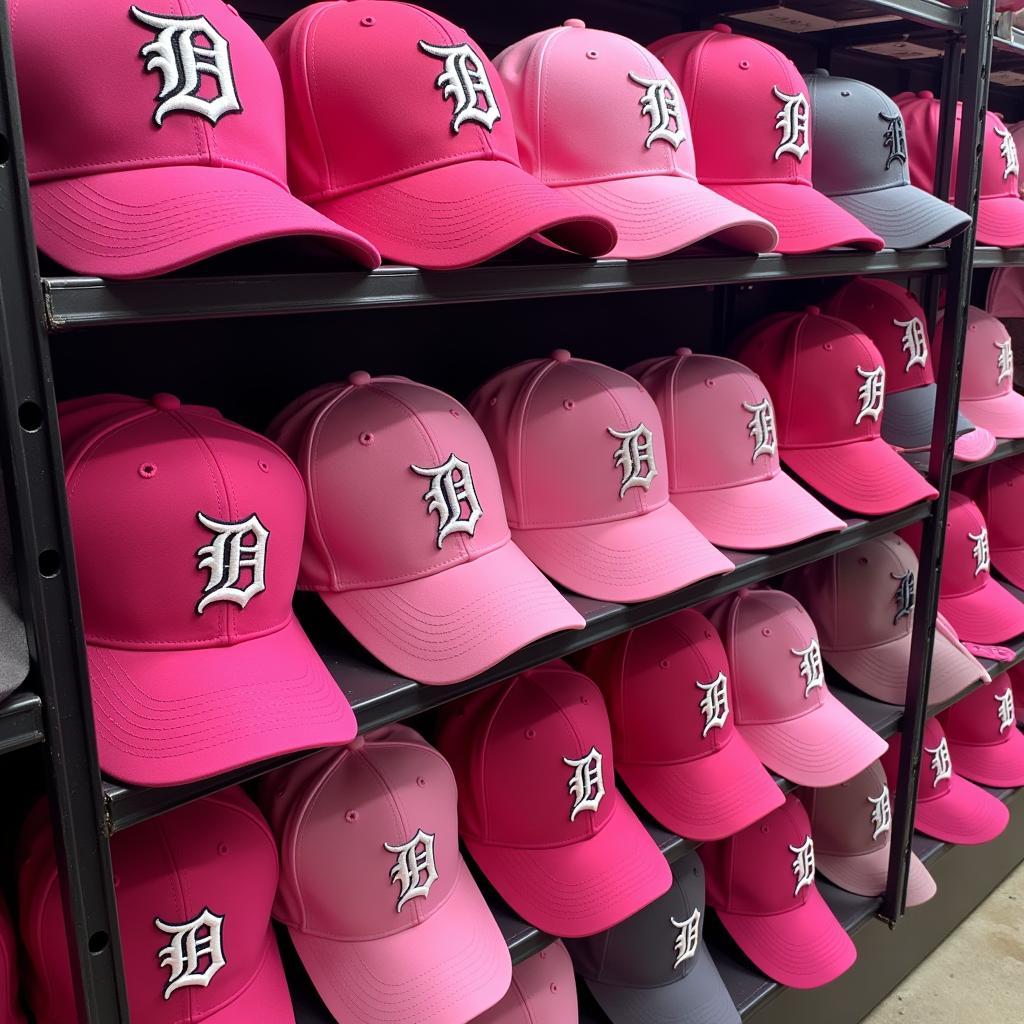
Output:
x,y
554,987
455,413
147,470
709,382
368,22
767,631
222,849
568,405
263,465
351,816
584,699
764,829
493,402
827,346
366,439
707,634
531,733
845,92
421,781
664,663
744,65
862,560
592,55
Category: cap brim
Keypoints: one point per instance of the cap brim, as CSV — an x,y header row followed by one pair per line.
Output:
x,y
964,814
458,622
866,874
988,615
1010,563
908,416
264,998
905,216
462,214
165,718
127,224
1001,221
807,221
973,446
1002,416
1000,765
632,559
453,965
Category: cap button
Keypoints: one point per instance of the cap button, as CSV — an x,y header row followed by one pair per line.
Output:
x,y
574,23
684,351
165,402
823,72
813,310
926,94
358,378
358,743
561,355
721,27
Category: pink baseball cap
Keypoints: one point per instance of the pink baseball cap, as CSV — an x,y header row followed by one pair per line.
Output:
x,y
761,884
948,806
670,700
763,161
599,118
406,908
543,991
571,858
581,454
194,891
998,491
728,480
983,736
188,530
178,154
828,383
430,171
783,708
10,1008
401,572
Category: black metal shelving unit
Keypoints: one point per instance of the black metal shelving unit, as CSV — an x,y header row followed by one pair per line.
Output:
x,y
21,722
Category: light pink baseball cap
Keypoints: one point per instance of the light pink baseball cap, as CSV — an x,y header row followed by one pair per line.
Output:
x,y
10,1008
728,480
761,884
543,991
598,117
827,380
784,709
671,702
983,736
998,491
202,874
539,810
428,169
581,454
188,530
763,160
425,576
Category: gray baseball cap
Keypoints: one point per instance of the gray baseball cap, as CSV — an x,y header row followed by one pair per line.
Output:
x,y
655,965
13,645
861,164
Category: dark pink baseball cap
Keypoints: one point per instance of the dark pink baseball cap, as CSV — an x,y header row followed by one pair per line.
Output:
x,y
199,878
728,480
599,118
983,736
762,158
827,380
188,531
998,491
428,169
10,1008
670,700
543,991
581,454
761,884
401,571
538,807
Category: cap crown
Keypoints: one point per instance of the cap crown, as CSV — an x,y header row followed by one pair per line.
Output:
x,y
966,560
988,357
936,767
852,818
984,718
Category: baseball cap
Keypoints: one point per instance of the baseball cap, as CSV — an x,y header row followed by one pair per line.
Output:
x,y
998,491
827,380
543,991
379,903
10,1008
424,575
753,134
983,736
784,710
14,660
188,531
761,883
728,480
581,454
194,890
571,858
852,826
179,152
428,170
862,601
655,965
599,118
670,697
948,806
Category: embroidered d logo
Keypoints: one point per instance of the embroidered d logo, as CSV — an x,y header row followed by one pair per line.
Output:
x,y
225,558
192,943
464,81
661,104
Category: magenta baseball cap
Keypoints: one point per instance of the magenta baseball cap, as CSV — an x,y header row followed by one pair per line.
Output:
x,y
543,991
670,697
593,509
784,709
983,736
432,175
763,161
188,531
179,153
10,1007
194,891
599,118
761,883
948,806
998,491
828,383
728,480
571,859
406,909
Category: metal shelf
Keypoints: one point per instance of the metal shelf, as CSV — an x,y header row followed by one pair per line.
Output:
x,y
21,722
1005,449
929,13
987,257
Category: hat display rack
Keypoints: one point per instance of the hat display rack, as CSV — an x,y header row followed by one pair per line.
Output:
x,y
420,664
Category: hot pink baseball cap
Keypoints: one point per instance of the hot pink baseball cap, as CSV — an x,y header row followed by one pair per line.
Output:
x,y
428,169
188,530
538,807
178,154
761,884
10,1008
403,933
728,480
763,161
827,380
581,454
194,891
983,736
670,700
543,991
998,491
784,709
425,576
599,118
